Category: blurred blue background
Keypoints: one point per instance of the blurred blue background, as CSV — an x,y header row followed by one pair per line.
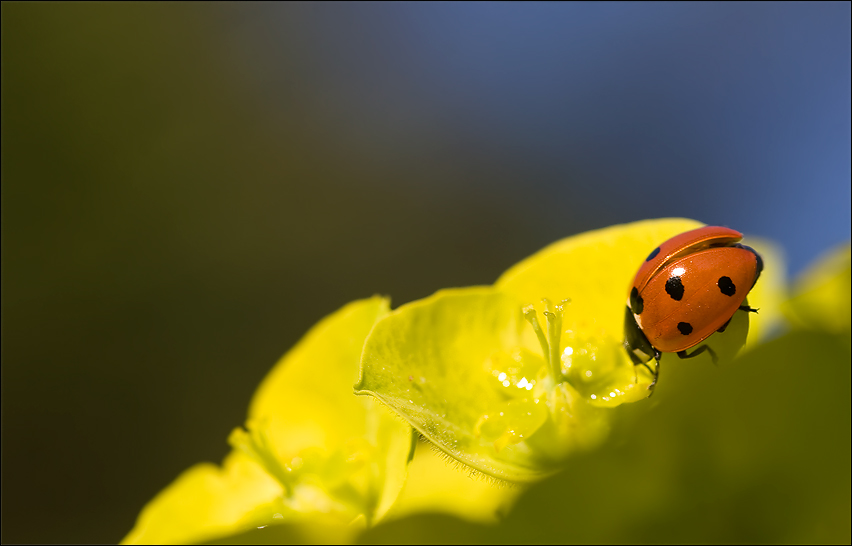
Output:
x,y
187,188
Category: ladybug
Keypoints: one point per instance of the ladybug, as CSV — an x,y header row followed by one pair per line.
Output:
x,y
686,289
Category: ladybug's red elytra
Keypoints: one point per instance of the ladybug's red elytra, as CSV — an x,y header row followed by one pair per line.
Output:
x,y
688,288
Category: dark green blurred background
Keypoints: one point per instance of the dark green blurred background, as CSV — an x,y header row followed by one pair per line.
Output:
x,y
187,188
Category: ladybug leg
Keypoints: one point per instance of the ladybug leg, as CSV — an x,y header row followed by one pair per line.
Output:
x,y
698,351
742,308
655,372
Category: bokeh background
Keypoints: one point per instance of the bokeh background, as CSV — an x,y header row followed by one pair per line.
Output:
x,y
187,188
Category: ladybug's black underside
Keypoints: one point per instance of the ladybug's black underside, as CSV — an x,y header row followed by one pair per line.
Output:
x,y
638,347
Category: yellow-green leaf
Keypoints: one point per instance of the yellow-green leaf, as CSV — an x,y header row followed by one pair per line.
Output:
x,y
438,483
432,362
312,451
821,296
207,501
307,409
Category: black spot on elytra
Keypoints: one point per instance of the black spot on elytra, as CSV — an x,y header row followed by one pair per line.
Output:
x,y
653,254
637,305
684,328
726,286
674,288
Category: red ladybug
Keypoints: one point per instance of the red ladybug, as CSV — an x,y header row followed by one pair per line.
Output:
x,y
688,288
